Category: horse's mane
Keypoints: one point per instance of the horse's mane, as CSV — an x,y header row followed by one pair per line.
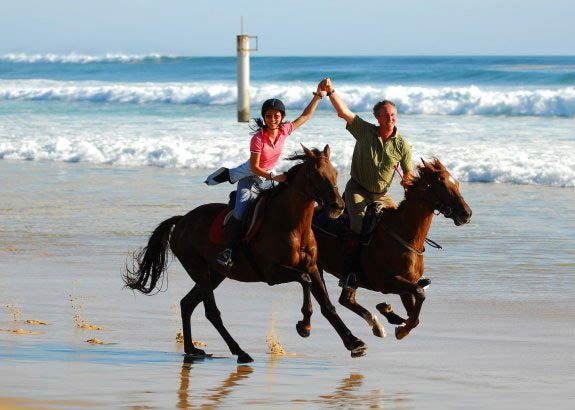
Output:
x,y
418,183
290,173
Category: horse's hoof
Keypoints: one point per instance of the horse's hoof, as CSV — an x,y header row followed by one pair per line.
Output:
x,y
302,330
423,282
401,332
244,358
379,331
358,348
359,351
195,352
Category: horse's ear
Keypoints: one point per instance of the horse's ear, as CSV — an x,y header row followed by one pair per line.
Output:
x,y
437,164
326,151
423,162
308,152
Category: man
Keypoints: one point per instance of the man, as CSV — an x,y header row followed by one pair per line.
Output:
x,y
378,150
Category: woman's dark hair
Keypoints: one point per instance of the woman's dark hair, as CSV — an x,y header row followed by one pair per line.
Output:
x,y
271,104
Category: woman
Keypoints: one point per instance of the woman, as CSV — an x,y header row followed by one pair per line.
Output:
x,y
265,150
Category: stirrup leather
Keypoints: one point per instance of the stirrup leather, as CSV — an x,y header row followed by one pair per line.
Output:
x,y
348,281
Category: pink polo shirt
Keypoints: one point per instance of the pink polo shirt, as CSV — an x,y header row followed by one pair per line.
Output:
x,y
270,152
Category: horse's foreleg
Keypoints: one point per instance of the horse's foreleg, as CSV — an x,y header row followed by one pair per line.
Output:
x,y
352,343
347,299
386,310
412,296
289,274
303,327
412,305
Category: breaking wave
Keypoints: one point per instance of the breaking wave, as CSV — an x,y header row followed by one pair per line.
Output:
x,y
471,100
75,58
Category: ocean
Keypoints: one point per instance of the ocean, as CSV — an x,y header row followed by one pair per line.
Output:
x,y
487,118
97,150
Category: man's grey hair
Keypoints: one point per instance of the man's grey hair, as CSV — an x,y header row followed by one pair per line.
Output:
x,y
380,104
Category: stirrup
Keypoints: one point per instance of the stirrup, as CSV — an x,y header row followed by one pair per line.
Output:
x,y
225,258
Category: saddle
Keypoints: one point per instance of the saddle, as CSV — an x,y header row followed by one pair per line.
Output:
x,y
250,227
352,244
340,227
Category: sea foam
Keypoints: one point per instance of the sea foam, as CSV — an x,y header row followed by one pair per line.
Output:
x,y
76,58
201,149
470,100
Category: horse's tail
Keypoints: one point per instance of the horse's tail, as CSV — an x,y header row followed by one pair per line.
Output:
x,y
150,263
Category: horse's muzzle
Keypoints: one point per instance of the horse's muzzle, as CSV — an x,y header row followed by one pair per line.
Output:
x,y
336,209
462,216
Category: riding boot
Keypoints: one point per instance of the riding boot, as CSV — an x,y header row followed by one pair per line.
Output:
x,y
233,230
219,176
368,225
351,262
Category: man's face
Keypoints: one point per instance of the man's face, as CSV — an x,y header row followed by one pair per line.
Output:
x,y
387,116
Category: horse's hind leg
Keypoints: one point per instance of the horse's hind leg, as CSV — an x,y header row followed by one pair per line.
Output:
x,y
187,306
214,316
199,273
347,299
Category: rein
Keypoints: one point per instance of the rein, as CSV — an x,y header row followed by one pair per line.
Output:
x,y
398,172
445,210
401,240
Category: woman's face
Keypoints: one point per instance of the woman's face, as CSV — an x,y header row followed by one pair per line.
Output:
x,y
273,119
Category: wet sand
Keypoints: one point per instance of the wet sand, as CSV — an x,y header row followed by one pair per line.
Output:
x,y
496,329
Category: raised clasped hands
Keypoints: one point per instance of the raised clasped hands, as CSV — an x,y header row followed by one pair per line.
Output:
x,y
325,85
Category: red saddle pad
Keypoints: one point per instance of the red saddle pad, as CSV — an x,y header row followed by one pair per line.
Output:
x,y
217,232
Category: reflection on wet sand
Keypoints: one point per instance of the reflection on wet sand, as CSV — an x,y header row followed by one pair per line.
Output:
x,y
349,394
213,396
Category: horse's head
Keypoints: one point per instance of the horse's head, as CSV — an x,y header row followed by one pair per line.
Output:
x,y
443,192
322,181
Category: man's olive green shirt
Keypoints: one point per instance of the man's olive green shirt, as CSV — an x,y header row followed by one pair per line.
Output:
x,y
373,160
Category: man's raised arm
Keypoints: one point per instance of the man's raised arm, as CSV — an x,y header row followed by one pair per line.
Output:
x,y
341,107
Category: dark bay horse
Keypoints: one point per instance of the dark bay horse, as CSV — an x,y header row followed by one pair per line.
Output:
x,y
392,261
283,250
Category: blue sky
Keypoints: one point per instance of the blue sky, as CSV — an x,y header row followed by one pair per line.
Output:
x,y
311,27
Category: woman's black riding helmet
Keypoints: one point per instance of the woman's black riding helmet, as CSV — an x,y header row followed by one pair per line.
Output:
x,y
273,104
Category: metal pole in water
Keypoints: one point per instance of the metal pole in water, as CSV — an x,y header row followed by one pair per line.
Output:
x,y
243,78
243,72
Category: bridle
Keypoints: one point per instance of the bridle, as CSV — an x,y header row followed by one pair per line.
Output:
x,y
314,188
439,205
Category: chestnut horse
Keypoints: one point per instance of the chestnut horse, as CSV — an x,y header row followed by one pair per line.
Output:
x,y
392,260
283,250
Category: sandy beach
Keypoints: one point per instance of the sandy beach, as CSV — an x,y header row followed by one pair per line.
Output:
x,y
496,329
